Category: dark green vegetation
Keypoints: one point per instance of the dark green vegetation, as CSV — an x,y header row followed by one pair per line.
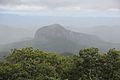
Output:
x,y
33,64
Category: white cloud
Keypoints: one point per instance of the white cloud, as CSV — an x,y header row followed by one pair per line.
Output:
x,y
23,8
59,6
114,10
70,8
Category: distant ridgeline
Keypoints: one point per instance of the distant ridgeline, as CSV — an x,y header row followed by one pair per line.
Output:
x,y
56,38
34,64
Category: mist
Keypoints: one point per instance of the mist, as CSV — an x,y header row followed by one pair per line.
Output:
x,y
14,28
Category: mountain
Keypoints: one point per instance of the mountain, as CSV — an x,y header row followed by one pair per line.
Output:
x,y
10,34
56,38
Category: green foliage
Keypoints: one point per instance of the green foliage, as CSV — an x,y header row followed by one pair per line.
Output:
x,y
91,65
33,64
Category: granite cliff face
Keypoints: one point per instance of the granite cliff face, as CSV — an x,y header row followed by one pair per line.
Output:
x,y
57,38
51,32
58,32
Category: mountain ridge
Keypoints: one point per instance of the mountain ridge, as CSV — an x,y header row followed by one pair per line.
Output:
x,y
56,38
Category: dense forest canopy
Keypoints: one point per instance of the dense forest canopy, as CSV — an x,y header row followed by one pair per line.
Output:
x,y
33,64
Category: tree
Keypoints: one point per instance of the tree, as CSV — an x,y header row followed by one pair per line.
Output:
x,y
33,64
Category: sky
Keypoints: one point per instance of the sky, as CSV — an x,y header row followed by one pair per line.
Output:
x,y
85,13
61,7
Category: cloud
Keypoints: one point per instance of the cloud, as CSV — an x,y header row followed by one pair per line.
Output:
x,y
114,9
22,8
60,5
10,2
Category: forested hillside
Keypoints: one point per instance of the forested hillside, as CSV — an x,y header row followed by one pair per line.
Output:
x,y
34,64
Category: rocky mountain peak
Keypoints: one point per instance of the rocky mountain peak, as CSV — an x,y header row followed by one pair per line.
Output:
x,y
53,27
54,30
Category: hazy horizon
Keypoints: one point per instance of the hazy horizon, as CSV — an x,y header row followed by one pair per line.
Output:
x,y
94,17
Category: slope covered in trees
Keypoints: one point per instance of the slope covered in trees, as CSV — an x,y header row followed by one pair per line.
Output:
x,y
33,64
